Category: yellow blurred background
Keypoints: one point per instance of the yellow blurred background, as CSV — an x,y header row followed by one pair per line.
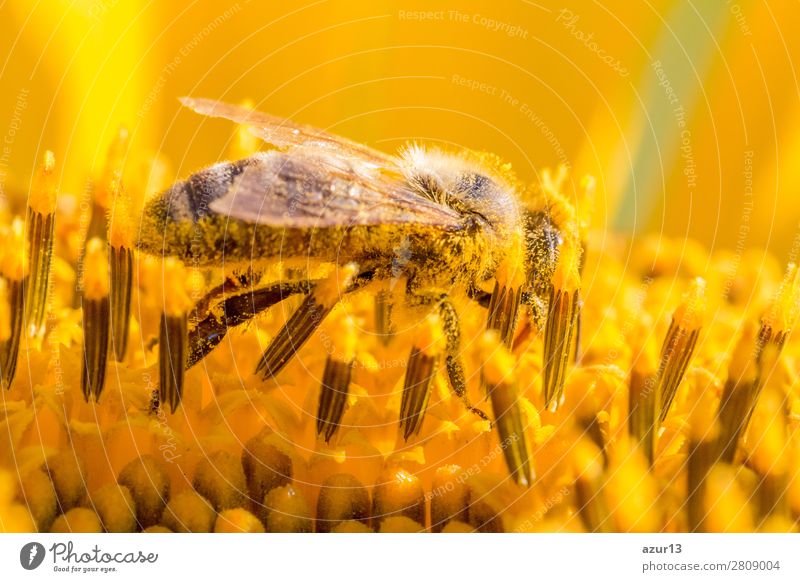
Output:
x,y
687,113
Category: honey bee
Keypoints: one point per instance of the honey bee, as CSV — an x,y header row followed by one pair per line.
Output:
x,y
460,227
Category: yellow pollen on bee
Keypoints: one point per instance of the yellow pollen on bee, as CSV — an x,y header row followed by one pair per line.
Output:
x,y
511,271
43,195
559,208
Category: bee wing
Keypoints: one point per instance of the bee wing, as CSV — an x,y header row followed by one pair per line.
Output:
x,y
311,188
285,134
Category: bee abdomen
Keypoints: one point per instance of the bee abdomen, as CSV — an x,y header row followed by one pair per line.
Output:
x,y
179,221
190,199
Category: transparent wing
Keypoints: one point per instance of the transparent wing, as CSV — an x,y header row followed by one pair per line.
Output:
x,y
313,188
285,134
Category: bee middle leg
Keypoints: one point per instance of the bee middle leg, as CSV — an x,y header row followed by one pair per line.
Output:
x,y
421,368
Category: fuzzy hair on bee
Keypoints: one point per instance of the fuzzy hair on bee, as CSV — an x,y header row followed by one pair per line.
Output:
x,y
278,205
443,222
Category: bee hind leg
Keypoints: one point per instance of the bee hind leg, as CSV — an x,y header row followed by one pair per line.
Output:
x,y
233,310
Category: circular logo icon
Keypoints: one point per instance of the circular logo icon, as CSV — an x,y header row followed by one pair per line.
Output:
x,y
31,555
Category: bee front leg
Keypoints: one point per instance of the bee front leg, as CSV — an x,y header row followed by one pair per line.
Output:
x,y
422,368
454,361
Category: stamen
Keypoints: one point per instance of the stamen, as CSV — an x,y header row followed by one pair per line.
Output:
x,y
503,310
768,452
776,325
14,269
726,505
121,243
779,320
702,450
679,344
642,391
95,319
342,498
591,503
41,221
738,396
562,317
173,333
105,184
303,322
631,492
336,378
422,366
498,373
752,364
506,297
